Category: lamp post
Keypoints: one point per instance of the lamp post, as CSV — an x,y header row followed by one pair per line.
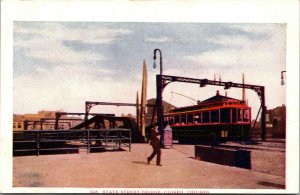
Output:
x,y
282,78
158,102
160,60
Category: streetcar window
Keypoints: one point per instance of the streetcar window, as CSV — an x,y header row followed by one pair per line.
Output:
x,y
171,118
176,119
166,119
246,115
240,114
190,118
234,115
205,116
183,119
197,118
214,116
225,115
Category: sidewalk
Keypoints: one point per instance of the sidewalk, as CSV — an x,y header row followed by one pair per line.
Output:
x,y
124,169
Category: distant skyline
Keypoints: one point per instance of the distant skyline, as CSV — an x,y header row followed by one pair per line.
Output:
x,y
60,65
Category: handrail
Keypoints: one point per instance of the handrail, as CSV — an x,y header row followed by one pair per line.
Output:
x,y
40,138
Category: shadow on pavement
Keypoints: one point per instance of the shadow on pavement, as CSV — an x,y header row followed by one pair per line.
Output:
x,y
140,162
269,184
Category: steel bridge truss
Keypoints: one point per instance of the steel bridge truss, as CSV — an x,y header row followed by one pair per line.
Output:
x,y
42,122
90,104
59,114
163,80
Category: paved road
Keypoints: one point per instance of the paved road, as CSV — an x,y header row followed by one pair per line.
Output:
x,y
124,169
266,157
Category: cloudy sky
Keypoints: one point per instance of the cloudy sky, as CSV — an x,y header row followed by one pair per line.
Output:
x,y
60,65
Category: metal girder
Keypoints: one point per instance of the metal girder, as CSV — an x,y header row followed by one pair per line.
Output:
x,y
256,88
59,114
163,80
90,104
109,103
80,113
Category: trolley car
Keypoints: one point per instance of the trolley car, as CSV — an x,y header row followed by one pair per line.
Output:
x,y
218,118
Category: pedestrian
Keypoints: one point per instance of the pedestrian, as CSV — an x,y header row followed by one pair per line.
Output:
x,y
155,143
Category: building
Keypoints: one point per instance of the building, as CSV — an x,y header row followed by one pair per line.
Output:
x,y
149,112
277,121
42,120
18,122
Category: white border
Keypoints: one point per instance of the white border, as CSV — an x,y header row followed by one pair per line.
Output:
x,y
217,11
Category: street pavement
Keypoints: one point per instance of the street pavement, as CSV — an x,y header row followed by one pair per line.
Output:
x,y
114,171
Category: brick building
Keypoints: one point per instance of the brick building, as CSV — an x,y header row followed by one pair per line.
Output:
x,y
37,121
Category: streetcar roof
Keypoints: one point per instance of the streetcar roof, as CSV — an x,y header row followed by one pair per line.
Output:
x,y
215,101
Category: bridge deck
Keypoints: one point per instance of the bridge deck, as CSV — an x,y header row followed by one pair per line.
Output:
x,y
39,141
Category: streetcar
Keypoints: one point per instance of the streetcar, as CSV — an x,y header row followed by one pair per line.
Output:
x,y
216,119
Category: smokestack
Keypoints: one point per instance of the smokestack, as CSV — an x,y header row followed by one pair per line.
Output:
x,y
144,99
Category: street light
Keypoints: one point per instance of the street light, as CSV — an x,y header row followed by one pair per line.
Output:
x,y
160,60
282,78
158,101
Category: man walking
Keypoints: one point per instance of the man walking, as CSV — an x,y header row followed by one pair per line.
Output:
x,y
155,143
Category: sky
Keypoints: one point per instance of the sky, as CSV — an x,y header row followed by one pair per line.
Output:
x,y
60,65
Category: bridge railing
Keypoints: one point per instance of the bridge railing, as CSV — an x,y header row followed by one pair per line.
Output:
x,y
71,140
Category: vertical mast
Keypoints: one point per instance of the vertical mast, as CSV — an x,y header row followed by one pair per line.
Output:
x,y
243,92
143,99
137,110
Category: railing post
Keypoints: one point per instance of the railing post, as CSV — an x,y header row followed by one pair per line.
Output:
x,y
129,140
106,135
88,141
38,143
119,132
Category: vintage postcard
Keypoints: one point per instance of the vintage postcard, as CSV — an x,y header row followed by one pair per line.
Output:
x,y
149,97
